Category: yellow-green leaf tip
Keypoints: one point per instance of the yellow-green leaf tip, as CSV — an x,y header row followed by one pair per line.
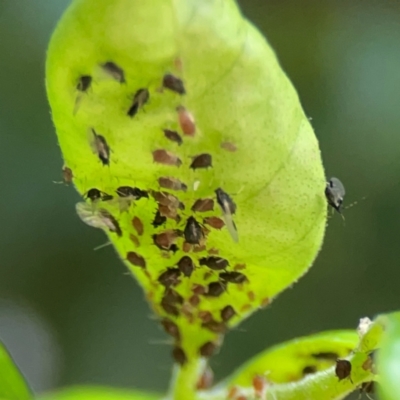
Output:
x,y
175,100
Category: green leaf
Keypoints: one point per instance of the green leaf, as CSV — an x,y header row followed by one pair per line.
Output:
x,y
389,359
98,393
12,383
104,76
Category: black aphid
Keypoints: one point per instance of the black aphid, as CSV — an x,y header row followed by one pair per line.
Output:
x,y
186,266
179,356
174,136
100,147
334,193
115,71
215,263
193,232
215,289
233,277
343,369
95,194
84,83
158,220
140,98
201,161
131,192
170,277
174,83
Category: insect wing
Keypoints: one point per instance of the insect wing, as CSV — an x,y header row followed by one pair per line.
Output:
x,y
90,216
230,224
337,187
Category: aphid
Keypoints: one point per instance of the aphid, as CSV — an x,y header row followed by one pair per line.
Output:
x,y
170,277
228,146
166,239
186,121
208,349
343,369
166,199
179,355
134,240
260,385
133,193
214,263
233,277
84,83
227,313
194,300
95,194
206,379
136,259
158,220
171,183
228,208
67,175
193,232
115,71
168,212
97,218
203,205
169,308
100,147
326,356
334,193
162,156
138,225
198,289
173,83
214,326
215,289
172,297
186,266
174,136
140,98
205,316
201,161
214,222
171,328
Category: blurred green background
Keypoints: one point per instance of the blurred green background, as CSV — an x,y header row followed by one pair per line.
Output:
x,y
70,315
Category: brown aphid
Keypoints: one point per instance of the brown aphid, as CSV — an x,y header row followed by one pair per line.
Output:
x,y
174,136
158,219
343,369
228,146
214,222
201,161
206,379
138,225
194,300
205,316
215,326
208,349
165,240
84,83
166,199
193,232
171,328
309,369
186,121
100,147
203,205
165,157
136,259
214,263
168,212
171,296
233,277
260,385
198,289
134,240
115,71
169,308
168,182
174,83
67,175
227,313
326,356
215,289
186,266
170,277
140,98
179,355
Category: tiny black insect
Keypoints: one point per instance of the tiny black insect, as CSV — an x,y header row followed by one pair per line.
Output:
x,y
100,147
84,83
174,83
115,71
131,192
158,220
343,369
228,208
140,98
334,193
174,136
193,232
95,194
215,263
